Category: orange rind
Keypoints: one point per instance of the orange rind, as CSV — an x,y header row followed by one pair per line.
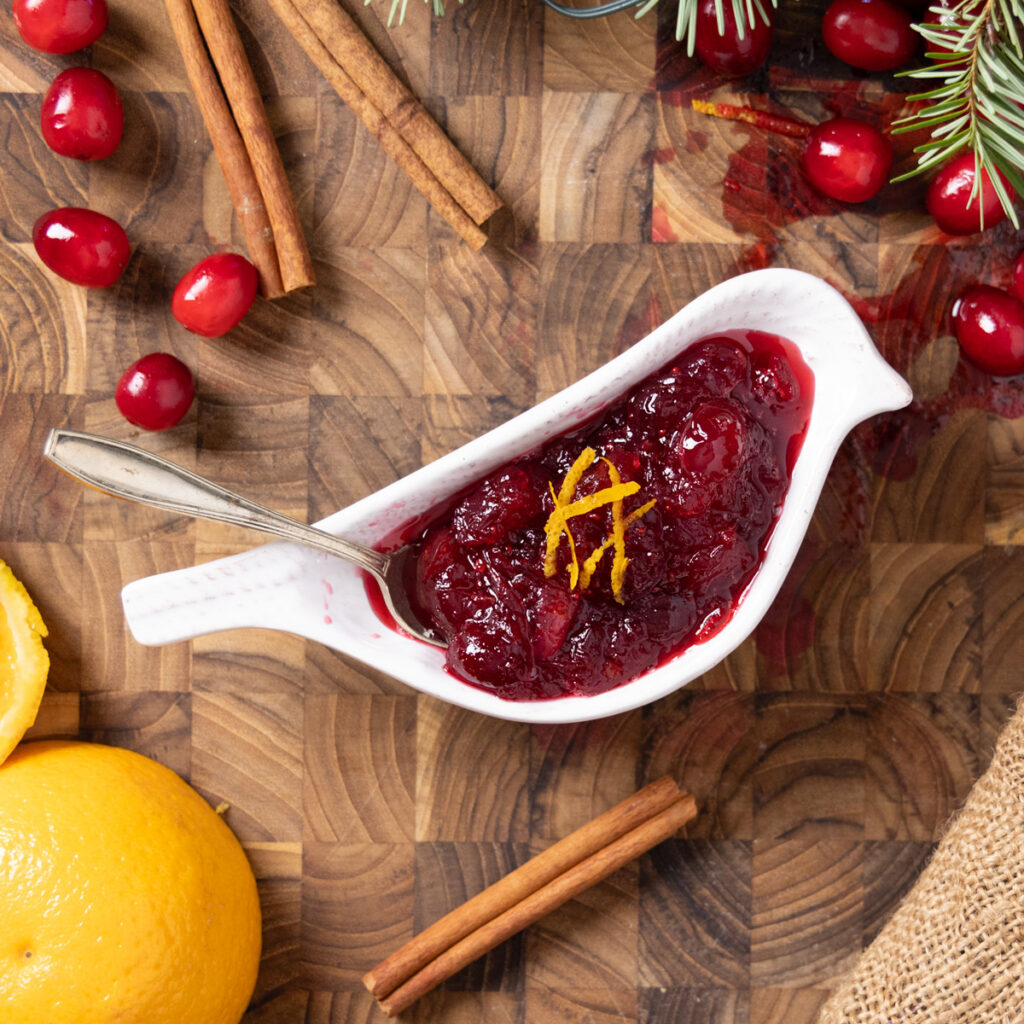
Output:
x,y
24,663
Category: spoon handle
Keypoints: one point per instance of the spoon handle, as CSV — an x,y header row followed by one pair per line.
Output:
x,y
125,471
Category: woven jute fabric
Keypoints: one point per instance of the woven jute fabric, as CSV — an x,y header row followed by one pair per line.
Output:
x,y
954,949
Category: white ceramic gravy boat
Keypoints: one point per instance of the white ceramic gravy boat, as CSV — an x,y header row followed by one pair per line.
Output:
x,y
287,587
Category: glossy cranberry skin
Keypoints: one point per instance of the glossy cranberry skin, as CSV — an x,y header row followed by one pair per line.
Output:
x,y
60,26
944,18
873,35
215,294
847,159
82,246
949,193
82,116
155,392
990,329
1017,286
727,54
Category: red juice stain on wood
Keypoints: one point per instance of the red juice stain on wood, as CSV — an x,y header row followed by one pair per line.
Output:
x,y
657,156
639,325
661,226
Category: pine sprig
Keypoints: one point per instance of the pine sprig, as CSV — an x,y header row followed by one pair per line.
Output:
x,y
745,12
975,105
398,7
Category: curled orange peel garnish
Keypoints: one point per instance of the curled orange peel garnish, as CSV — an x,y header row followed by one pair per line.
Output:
x,y
566,509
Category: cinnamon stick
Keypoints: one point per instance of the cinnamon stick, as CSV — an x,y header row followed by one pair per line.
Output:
x,y
522,883
228,146
572,882
373,76
239,84
391,141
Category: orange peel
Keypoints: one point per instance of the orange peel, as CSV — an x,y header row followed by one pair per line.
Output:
x,y
566,509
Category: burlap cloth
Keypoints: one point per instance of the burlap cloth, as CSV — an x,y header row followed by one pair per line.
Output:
x,y
954,950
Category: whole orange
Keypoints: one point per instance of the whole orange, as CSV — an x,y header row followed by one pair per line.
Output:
x,y
123,896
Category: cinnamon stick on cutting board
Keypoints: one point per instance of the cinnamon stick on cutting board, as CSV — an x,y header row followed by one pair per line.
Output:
x,y
229,101
389,111
225,45
374,77
545,882
228,146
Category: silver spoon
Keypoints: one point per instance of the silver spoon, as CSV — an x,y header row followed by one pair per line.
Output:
x,y
128,472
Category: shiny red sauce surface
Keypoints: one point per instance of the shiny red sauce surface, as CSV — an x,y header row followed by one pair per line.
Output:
x,y
711,438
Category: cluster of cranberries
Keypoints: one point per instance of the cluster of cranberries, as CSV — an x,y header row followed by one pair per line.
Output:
x,y
846,158
82,118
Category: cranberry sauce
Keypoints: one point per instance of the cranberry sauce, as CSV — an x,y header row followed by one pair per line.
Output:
x,y
593,559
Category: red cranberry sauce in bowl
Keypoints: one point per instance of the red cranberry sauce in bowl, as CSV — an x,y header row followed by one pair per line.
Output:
x,y
619,544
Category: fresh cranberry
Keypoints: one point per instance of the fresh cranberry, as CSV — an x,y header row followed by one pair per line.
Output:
x,y
1017,287
725,52
215,294
942,16
990,328
949,198
873,35
60,26
82,115
82,246
847,159
155,392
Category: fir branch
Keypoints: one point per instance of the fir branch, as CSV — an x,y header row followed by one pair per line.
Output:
x,y
977,106
398,7
745,12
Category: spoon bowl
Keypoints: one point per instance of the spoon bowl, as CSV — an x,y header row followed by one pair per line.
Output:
x,y
287,587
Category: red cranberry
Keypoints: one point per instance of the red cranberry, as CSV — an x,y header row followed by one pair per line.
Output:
x,y
60,26
82,115
949,198
847,159
82,246
724,51
1017,287
990,328
943,16
712,443
155,392
873,35
215,294
492,649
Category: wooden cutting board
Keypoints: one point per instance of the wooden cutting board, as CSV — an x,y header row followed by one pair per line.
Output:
x,y
826,754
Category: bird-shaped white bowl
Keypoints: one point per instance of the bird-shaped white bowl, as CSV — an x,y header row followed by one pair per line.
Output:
x,y
286,587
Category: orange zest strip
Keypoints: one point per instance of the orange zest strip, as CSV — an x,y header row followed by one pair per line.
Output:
x,y
590,565
565,509
559,519
605,496
758,118
619,561
557,523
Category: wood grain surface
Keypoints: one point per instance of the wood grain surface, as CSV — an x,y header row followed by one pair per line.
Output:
x,y
826,754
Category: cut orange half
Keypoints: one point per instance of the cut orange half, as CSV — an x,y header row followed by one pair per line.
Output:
x,y
24,663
